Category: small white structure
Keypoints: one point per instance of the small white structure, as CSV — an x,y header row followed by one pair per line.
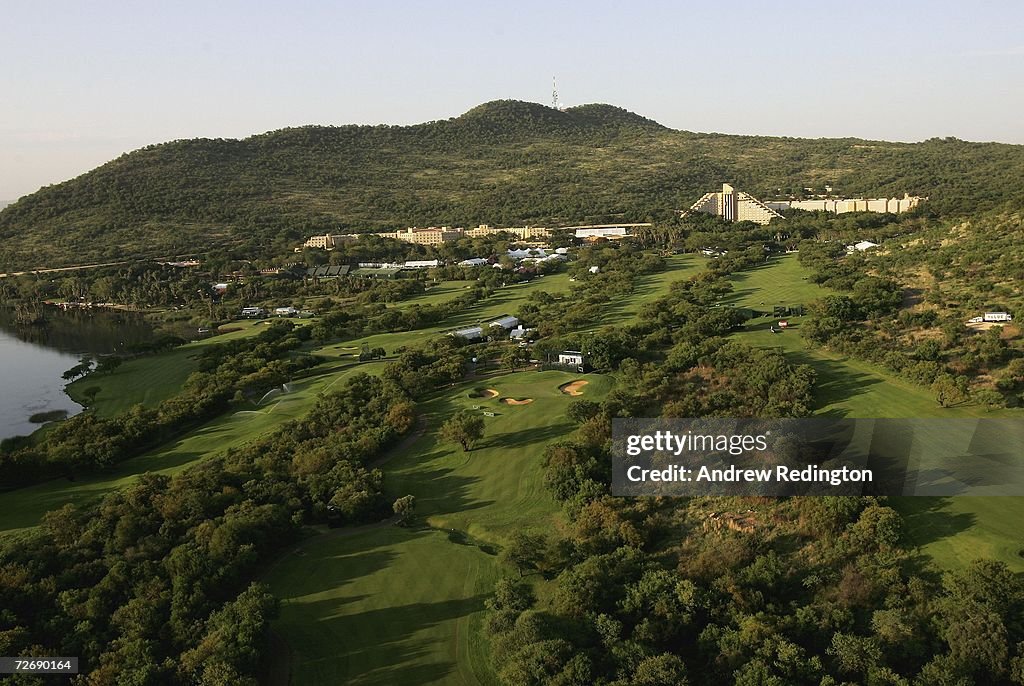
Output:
x,y
285,311
549,258
861,246
519,333
470,334
596,232
975,320
561,251
997,317
594,270
522,253
379,265
473,262
570,358
252,312
422,264
507,322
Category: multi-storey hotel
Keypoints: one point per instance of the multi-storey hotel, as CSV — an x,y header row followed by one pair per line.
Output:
x,y
429,236
520,232
736,206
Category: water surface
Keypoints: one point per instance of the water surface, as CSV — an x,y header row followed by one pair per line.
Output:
x,y
33,358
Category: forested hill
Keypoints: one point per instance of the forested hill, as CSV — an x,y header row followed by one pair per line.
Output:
x,y
502,163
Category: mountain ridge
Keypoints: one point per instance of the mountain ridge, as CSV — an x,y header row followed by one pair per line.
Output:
x,y
504,162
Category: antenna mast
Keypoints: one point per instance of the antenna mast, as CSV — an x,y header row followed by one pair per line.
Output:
x,y
554,94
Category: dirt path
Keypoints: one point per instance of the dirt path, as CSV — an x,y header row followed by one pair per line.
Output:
x,y
51,270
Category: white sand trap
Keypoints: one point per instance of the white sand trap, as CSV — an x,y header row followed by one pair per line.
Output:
x,y
573,387
483,393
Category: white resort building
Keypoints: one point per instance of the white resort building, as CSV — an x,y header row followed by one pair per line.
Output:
x,y
734,206
738,206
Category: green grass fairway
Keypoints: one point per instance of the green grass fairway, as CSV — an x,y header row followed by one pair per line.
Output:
x,y
780,281
848,387
952,531
507,300
497,486
439,293
143,380
150,379
25,507
956,531
387,605
650,287
504,301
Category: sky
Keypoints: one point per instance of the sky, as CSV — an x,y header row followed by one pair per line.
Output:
x,y
83,82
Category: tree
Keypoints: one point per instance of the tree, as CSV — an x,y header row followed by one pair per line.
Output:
x,y
661,670
524,551
515,357
977,637
946,391
854,654
108,364
464,428
988,397
581,410
404,508
90,393
510,600
78,370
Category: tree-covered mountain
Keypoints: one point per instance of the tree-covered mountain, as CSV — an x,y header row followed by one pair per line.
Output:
x,y
502,163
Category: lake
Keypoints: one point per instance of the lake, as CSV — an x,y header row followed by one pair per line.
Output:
x,y
33,358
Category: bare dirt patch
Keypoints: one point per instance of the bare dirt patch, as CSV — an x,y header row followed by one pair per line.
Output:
x,y
984,326
483,393
516,401
573,387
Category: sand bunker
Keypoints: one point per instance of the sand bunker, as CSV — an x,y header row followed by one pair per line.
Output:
x,y
573,387
516,401
483,393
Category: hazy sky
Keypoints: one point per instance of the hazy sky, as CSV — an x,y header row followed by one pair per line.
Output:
x,y
82,82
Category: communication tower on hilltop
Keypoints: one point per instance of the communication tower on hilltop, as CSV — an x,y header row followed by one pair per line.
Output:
x,y
554,93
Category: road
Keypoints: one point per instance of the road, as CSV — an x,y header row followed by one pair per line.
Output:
x,y
50,270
